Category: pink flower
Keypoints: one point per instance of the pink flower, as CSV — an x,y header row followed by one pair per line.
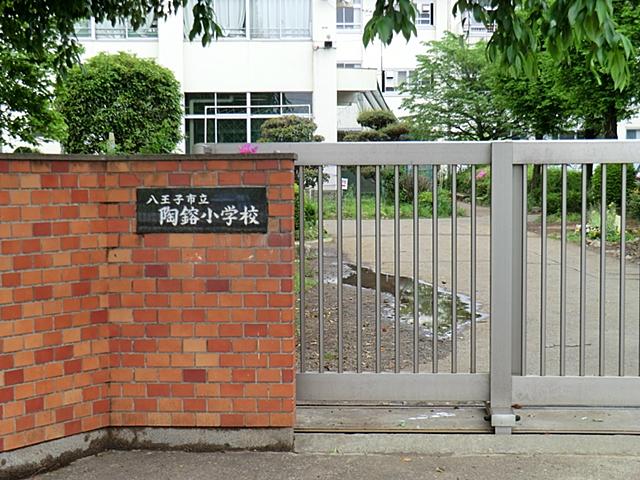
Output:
x,y
481,174
247,149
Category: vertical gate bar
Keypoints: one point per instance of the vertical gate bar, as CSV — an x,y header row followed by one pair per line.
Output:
x,y
339,267
523,293
434,260
320,272
505,287
301,272
473,364
603,269
416,272
396,271
583,273
563,275
543,276
378,270
358,270
623,253
454,269
518,269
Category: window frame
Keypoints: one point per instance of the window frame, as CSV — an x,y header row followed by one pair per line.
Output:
x,y
395,71
213,112
151,32
431,12
249,34
349,27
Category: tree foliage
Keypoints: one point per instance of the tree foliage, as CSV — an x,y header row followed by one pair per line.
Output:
x,y
376,119
568,95
366,136
450,95
26,111
379,126
41,33
526,27
539,103
38,44
136,100
596,101
288,128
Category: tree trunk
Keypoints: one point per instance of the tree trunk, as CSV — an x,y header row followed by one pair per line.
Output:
x,y
590,132
536,178
611,121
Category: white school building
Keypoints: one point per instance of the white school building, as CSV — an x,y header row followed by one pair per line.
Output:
x,y
303,57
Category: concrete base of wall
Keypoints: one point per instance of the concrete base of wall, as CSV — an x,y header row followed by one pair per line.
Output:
x,y
28,461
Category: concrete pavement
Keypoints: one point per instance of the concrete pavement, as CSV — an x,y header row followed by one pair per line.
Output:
x,y
144,465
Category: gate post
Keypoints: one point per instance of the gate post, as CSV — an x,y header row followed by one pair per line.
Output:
x,y
506,249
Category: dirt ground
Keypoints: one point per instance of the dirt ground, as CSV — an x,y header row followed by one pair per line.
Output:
x,y
350,340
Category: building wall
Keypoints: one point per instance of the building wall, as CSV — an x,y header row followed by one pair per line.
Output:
x,y
302,65
100,326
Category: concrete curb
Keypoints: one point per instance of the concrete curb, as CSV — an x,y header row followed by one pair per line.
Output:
x,y
468,445
27,461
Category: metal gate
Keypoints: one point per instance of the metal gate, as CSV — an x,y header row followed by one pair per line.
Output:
x,y
434,275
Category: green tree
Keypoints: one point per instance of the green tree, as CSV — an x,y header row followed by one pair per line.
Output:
x,y
380,126
540,103
43,31
26,110
525,27
450,95
376,119
136,100
288,128
291,128
597,103
38,44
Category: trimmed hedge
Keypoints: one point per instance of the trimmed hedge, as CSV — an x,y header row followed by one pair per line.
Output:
x,y
137,100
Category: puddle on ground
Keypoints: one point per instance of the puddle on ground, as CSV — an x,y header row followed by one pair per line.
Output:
x,y
425,292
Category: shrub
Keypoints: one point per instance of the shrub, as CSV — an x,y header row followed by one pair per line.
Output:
x,y
310,212
483,184
554,191
425,199
396,131
405,183
376,119
135,99
288,128
633,204
366,136
614,184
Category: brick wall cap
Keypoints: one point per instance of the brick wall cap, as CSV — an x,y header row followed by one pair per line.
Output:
x,y
49,157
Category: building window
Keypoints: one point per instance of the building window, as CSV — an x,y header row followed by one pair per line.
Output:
x,y
90,29
280,18
268,19
633,134
425,17
348,65
473,27
349,15
237,117
392,80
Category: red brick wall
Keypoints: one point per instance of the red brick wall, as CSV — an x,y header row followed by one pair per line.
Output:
x,y
102,327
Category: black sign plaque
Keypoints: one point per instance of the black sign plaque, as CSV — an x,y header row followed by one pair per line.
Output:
x,y
202,210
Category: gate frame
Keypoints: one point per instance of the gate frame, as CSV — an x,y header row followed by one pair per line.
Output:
x,y
504,385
